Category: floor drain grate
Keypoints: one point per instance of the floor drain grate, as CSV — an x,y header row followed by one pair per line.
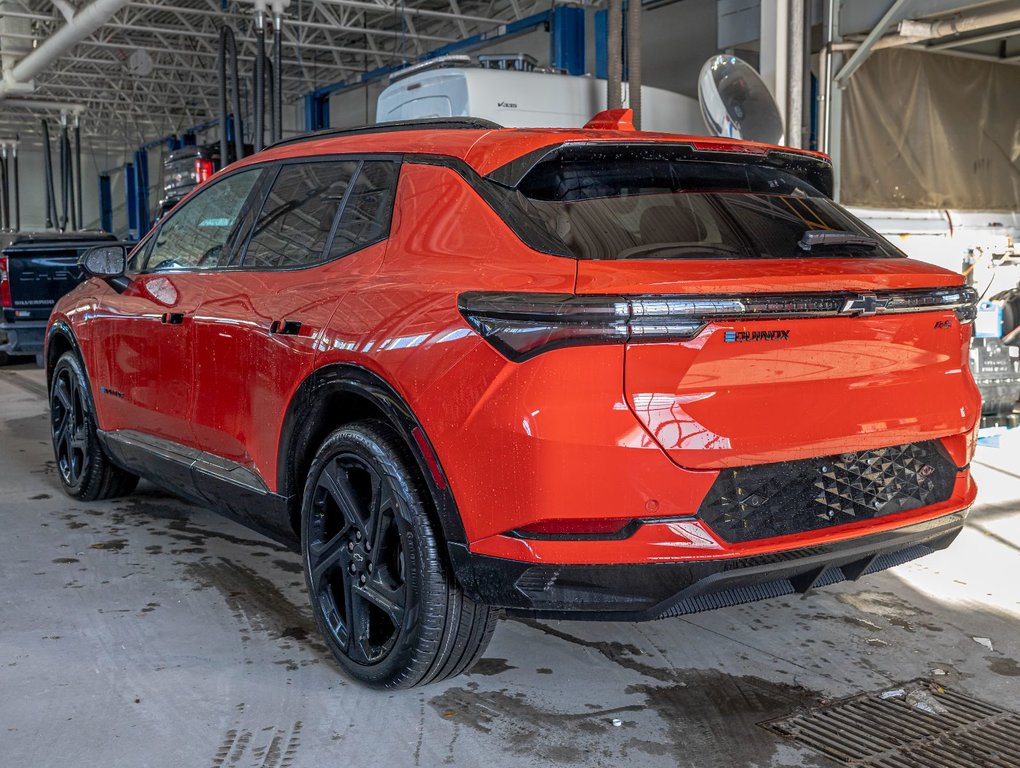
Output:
x,y
879,729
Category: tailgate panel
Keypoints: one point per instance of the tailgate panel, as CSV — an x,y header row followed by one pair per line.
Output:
x,y
779,390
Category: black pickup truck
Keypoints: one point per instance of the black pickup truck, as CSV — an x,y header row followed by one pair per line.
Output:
x,y
36,269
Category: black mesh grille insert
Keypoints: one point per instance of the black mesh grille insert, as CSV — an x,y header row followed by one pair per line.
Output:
x,y
766,500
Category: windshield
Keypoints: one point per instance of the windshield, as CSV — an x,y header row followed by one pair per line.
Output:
x,y
665,208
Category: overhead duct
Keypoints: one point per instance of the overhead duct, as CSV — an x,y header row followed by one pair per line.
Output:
x,y
228,48
86,21
634,60
277,132
614,63
260,77
51,200
274,72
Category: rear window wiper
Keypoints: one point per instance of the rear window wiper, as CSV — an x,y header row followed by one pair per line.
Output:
x,y
835,237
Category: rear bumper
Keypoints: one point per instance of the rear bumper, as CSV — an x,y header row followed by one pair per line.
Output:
x,y
23,338
638,592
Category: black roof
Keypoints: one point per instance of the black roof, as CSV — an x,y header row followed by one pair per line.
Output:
x,y
429,123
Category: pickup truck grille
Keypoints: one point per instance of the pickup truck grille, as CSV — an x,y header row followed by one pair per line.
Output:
x,y
766,500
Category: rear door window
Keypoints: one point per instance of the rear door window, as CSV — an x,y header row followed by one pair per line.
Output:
x,y
660,207
298,215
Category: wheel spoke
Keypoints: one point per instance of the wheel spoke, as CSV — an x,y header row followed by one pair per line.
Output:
x,y
61,393
327,557
382,516
338,485
389,600
78,438
358,647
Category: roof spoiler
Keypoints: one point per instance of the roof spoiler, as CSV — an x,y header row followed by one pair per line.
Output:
x,y
812,167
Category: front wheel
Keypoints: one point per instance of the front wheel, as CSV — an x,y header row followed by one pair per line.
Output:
x,y
382,595
84,469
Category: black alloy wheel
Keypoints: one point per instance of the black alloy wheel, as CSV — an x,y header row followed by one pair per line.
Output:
x,y
69,427
84,469
357,563
382,593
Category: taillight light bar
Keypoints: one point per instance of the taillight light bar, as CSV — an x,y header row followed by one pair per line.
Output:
x,y
203,169
522,325
5,284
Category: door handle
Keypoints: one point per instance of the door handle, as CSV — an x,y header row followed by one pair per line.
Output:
x,y
285,328
172,318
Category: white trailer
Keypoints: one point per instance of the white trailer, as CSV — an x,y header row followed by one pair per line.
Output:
x,y
527,100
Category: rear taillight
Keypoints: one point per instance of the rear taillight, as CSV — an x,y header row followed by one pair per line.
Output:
x,y
203,169
5,284
522,325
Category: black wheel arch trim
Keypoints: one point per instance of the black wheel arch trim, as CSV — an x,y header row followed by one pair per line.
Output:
x,y
62,328
351,379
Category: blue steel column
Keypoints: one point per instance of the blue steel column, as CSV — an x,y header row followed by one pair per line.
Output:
x,y
142,190
316,112
131,200
602,44
105,203
567,39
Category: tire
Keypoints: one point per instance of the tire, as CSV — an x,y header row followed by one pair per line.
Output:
x,y
84,469
382,595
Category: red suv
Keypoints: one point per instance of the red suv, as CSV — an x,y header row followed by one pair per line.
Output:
x,y
565,373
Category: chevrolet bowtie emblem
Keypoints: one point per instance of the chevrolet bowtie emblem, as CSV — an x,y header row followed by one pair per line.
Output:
x,y
865,304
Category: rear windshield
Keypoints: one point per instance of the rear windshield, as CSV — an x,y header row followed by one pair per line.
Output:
x,y
665,208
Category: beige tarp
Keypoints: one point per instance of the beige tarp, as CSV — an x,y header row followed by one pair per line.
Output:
x,y
924,130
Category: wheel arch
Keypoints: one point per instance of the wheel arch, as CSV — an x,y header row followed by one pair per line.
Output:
x,y
339,394
60,339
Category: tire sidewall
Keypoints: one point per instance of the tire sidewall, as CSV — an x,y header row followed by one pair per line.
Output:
x,y
423,576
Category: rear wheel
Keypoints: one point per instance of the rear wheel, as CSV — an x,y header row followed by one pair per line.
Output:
x,y
84,469
382,595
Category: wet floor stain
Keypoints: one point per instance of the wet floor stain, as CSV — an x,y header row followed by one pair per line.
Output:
x,y
697,710
525,728
115,545
1004,666
490,667
256,602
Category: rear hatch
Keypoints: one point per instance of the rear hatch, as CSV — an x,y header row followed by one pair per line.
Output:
x,y
765,323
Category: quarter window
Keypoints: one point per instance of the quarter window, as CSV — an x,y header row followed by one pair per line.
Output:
x,y
366,215
195,235
296,220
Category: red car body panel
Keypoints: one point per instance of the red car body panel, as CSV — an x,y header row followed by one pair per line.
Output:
x,y
613,431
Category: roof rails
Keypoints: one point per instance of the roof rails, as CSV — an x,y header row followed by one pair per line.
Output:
x,y
429,123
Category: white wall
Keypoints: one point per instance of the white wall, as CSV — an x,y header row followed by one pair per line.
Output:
x,y
33,185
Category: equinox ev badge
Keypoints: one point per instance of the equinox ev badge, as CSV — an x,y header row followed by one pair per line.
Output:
x,y
863,305
731,336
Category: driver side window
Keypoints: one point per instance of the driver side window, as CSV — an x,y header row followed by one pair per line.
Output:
x,y
195,236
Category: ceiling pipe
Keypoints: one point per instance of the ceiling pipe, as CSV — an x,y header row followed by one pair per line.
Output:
x,y
82,24
957,25
915,34
62,106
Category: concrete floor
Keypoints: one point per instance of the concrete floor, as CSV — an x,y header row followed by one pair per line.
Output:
x,y
147,632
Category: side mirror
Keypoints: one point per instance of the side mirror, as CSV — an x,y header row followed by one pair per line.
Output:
x,y
105,261
108,262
